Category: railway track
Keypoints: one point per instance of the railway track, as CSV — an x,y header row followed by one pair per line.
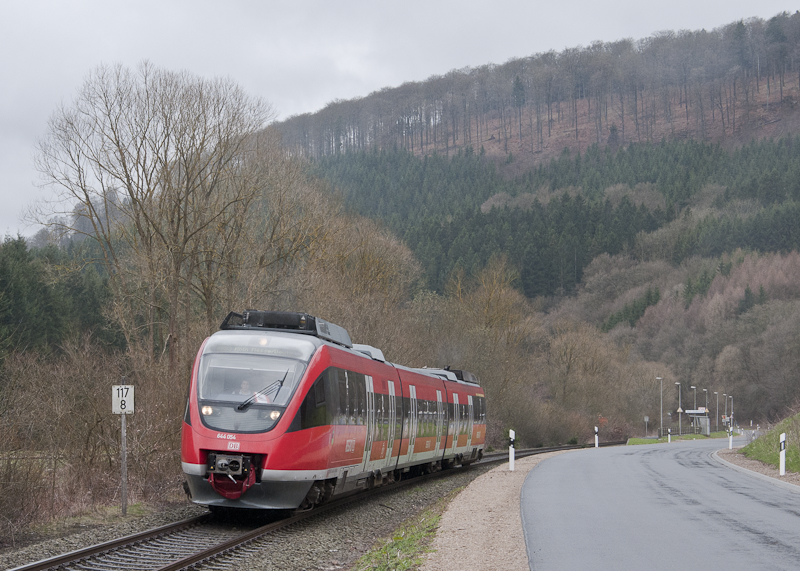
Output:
x,y
206,542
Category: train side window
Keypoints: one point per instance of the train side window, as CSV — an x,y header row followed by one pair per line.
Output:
x,y
352,398
319,391
341,381
383,424
428,419
332,394
361,383
398,417
313,410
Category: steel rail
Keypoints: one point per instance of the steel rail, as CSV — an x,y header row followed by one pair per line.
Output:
x,y
93,550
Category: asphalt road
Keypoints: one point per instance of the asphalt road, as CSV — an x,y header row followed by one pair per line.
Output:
x,y
662,506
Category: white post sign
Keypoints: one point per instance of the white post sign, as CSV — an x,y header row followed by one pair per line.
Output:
x,y
783,454
511,436
122,404
122,399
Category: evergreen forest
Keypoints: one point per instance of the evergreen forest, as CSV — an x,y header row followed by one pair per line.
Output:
x,y
553,221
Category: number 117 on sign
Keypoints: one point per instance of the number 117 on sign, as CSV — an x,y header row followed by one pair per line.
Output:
x,y
122,399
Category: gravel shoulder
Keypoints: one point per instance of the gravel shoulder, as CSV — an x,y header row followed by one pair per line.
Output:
x,y
465,539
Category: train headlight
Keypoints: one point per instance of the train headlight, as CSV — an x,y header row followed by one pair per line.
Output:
x,y
207,411
275,414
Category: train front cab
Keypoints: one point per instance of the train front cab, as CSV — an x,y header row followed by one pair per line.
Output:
x,y
225,446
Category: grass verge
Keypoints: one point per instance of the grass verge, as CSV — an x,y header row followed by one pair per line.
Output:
x,y
635,441
408,544
766,448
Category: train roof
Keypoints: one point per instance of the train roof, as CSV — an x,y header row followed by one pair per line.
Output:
x,y
454,375
287,322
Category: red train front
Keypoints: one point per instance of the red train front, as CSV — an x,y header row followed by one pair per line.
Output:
x,y
284,412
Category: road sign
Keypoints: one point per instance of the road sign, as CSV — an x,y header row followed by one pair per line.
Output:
x,y
122,399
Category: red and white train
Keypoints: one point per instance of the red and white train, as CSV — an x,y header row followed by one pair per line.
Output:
x,y
285,412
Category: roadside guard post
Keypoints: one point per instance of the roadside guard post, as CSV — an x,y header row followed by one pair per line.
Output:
x,y
730,437
122,404
783,453
669,436
596,439
511,436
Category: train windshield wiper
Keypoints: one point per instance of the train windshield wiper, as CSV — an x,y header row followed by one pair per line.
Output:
x,y
262,392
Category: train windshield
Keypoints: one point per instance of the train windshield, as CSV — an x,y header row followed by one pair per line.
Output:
x,y
245,380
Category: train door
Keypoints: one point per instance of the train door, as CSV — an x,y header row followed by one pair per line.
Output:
x,y
412,437
369,420
392,424
439,421
470,420
456,420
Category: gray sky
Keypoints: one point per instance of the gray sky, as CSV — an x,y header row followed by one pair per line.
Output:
x,y
298,55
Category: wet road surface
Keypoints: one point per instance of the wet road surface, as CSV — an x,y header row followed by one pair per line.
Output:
x,y
661,506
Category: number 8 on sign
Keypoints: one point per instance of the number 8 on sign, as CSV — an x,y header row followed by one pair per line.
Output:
x,y
122,399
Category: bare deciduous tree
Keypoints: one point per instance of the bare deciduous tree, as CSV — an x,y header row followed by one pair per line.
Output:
x,y
156,167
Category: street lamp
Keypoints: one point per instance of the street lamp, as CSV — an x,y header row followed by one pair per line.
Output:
x,y
706,409
731,412
661,422
717,416
695,396
680,430
726,406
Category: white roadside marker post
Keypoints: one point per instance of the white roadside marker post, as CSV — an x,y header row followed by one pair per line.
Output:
x,y
669,436
596,441
511,435
783,454
730,437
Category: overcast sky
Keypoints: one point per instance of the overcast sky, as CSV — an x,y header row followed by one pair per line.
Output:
x,y
298,54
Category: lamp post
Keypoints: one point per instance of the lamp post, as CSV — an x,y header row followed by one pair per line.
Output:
x,y
731,412
726,405
680,430
717,416
661,421
695,396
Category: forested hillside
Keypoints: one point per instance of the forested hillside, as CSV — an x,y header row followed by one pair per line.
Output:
x,y
650,190
731,84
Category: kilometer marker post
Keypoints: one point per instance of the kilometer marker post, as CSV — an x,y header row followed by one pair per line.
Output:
x,y
783,454
122,404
